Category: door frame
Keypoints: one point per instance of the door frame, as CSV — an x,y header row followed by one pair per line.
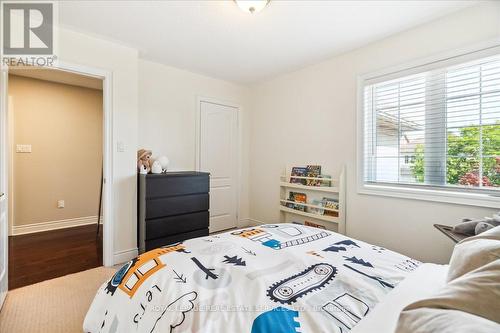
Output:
x,y
4,275
107,86
199,100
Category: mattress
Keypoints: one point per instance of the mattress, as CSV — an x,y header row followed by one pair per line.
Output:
x,y
271,278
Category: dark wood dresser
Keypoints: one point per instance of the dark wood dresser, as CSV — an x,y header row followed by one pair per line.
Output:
x,y
172,207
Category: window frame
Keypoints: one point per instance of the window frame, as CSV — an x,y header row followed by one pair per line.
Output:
x,y
426,193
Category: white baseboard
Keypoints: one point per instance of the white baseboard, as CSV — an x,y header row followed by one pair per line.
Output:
x,y
242,223
121,257
53,225
254,222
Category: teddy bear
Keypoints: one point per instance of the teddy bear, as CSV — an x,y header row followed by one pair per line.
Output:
x,y
476,226
144,160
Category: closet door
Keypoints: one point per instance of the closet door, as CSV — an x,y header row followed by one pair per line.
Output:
x,y
218,156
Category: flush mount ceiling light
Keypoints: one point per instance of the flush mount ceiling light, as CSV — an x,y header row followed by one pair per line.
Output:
x,y
251,6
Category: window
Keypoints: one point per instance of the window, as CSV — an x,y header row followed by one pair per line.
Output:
x,y
434,127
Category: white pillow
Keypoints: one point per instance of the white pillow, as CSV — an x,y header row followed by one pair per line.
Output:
x,y
426,320
474,252
476,293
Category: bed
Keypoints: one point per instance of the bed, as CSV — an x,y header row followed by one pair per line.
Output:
x,y
270,278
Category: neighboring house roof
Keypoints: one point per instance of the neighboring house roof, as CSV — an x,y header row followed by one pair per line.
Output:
x,y
391,123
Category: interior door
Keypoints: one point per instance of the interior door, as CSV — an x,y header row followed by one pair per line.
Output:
x,y
218,155
3,186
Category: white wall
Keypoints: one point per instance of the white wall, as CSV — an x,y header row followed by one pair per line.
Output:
x,y
166,98
309,116
78,48
167,117
301,117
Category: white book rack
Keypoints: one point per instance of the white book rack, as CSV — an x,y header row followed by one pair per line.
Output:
x,y
336,190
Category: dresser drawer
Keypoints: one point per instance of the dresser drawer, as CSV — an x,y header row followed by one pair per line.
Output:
x,y
167,206
172,207
160,186
177,224
164,241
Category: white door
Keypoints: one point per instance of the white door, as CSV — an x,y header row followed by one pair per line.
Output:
x,y
3,187
218,155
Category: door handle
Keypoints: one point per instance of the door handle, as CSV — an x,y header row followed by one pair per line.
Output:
x,y
2,194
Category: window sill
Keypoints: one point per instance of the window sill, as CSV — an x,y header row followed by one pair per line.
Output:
x,y
461,198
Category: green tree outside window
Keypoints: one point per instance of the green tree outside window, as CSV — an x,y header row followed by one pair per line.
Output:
x,y
463,158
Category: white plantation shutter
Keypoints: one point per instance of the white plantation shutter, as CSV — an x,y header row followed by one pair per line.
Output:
x,y
435,126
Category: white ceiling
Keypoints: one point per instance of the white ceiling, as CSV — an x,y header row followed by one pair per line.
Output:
x,y
217,39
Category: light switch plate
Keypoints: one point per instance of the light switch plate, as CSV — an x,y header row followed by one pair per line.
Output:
x,y
23,148
60,203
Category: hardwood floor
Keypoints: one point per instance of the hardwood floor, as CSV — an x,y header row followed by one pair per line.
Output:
x,y
46,255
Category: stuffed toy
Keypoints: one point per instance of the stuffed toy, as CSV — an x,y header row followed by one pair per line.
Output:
x,y
144,160
473,227
156,167
164,163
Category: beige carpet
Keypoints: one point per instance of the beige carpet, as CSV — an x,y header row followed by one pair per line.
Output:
x,y
53,306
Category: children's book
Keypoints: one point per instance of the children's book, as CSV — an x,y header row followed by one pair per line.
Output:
x,y
315,225
313,171
301,172
298,197
315,210
332,204
326,181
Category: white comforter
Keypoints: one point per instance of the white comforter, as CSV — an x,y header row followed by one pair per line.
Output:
x,y
272,278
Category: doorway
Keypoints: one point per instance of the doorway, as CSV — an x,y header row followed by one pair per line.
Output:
x,y
53,206
217,153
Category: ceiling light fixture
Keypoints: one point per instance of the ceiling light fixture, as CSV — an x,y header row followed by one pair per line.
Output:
x,y
251,6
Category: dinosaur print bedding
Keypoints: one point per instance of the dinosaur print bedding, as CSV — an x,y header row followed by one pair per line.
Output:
x,y
274,278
